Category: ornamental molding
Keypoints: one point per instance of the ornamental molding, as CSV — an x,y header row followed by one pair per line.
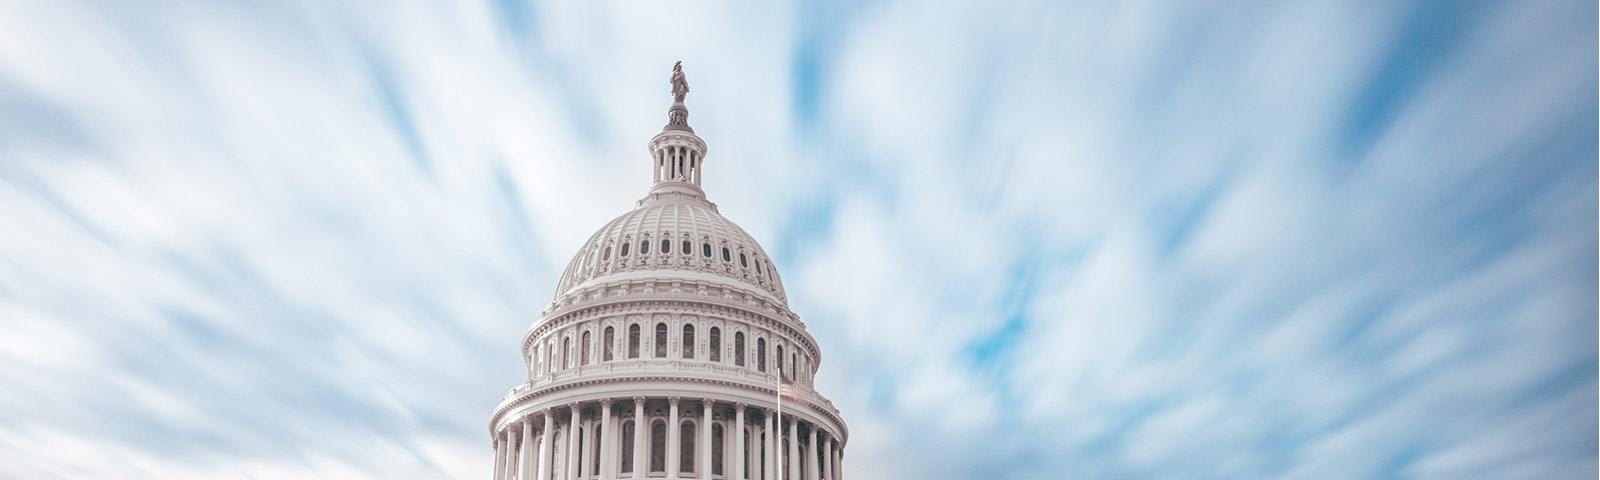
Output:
x,y
520,402
666,303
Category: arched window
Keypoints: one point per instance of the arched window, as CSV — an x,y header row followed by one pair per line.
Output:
x,y
706,249
791,365
606,255
627,446
686,448
758,266
611,342
666,246
566,352
661,340
738,348
780,359
715,338
687,247
644,247
583,359
658,446
633,341
725,256
716,449
625,249
761,354
742,262
551,365
688,341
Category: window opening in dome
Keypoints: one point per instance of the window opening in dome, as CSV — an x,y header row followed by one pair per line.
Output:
x,y
716,449
666,246
658,446
661,340
687,247
738,348
714,337
607,255
686,447
758,267
599,440
583,359
627,446
742,262
611,341
761,354
624,250
633,341
791,365
566,357
780,359
688,341
706,249
644,247
725,256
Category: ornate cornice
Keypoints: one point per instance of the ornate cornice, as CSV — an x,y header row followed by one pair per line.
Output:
x,y
531,396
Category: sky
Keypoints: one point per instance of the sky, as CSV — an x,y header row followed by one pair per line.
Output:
x,y
1135,239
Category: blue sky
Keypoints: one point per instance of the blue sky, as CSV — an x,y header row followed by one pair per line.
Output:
x,y
1036,240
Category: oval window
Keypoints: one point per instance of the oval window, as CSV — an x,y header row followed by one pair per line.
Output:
x,y
706,249
624,249
743,263
725,256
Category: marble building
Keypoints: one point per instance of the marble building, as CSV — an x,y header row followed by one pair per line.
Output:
x,y
663,352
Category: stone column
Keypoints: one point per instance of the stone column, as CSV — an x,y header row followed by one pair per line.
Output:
x,y
514,459
704,469
827,451
640,430
572,442
607,460
586,455
525,462
811,455
544,444
838,463
499,456
794,449
739,442
674,446
769,471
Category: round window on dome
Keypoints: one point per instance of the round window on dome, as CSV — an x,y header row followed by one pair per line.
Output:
x,y
624,250
706,249
742,262
725,256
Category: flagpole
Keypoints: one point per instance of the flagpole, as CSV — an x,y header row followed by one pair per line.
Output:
x,y
776,438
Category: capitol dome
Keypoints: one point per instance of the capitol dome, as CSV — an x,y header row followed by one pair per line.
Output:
x,y
669,350
678,233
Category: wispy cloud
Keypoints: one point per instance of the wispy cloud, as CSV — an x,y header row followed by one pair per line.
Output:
x,y
1146,239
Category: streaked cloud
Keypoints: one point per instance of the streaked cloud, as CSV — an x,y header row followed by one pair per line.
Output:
x,y
1036,240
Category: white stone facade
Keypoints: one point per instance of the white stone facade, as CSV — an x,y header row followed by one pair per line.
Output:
x,y
660,356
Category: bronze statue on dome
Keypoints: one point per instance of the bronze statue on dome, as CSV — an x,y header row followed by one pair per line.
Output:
x,y
680,84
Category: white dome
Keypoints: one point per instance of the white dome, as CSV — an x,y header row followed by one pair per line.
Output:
x,y
698,239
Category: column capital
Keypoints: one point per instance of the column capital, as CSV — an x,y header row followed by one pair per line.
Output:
x,y
739,407
792,421
706,402
672,401
605,402
639,400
